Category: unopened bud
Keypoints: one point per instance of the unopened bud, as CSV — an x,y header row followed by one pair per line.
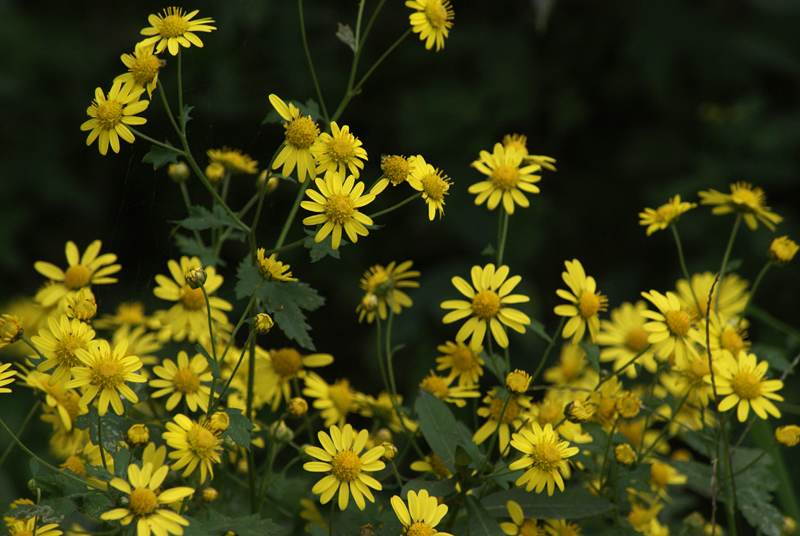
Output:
x,y
272,182
219,422
178,172
209,495
138,435
280,432
389,451
263,323
297,407
215,172
195,277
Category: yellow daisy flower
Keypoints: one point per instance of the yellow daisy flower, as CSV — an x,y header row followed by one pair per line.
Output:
x,y
687,377
521,525
338,201
433,465
382,409
127,313
33,526
271,269
396,169
59,345
385,284
464,363
89,455
587,303
11,329
110,113
733,295
569,372
544,455
671,329
105,373
663,474
183,381
432,20
667,214
488,306
506,178
335,401
282,366
520,143
65,404
742,380
346,466
148,503
726,337
143,67
746,200
233,160
517,412
421,515
188,318
440,387
174,29
624,337
194,445
140,343
339,152
89,269
301,133
431,182
6,377
782,250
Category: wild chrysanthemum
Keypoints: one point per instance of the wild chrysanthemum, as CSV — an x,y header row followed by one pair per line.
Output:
x,y
284,365
441,388
6,377
233,160
385,284
742,380
624,337
337,202
183,381
665,215
148,502
59,344
89,269
338,152
505,178
782,250
431,182
433,465
396,168
432,20
464,362
733,295
746,200
127,313
105,372
516,413
193,445
671,329
488,305
663,474
569,372
174,29
65,405
335,401
143,67
545,456
89,456
421,515
301,133
520,143
33,526
271,269
382,410
726,337
788,435
188,318
521,525
341,457
587,302
11,329
110,113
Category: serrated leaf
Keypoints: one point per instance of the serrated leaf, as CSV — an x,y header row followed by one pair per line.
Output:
x,y
572,503
215,373
592,355
481,523
121,458
441,430
538,328
435,488
49,510
200,218
319,250
284,301
218,524
248,280
185,117
159,156
760,513
190,247
239,428
96,504
346,36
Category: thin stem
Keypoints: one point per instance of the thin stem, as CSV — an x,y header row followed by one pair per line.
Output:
x,y
683,264
287,247
493,439
233,374
210,324
378,62
29,343
310,62
100,440
21,429
548,349
167,108
502,232
753,289
726,256
394,207
293,212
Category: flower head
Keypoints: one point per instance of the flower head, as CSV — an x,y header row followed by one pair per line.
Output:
x,y
586,303
432,464
488,305
431,182
137,435
337,203
301,133
233,160
742,380
521,525
335,401
183,381
110,113
672,328
143,67
665,215
519,142
662,474
33,526
194,445
624,339
282,367
432,20
744,199
464,362
338,152
788,435
271,269
10,330
782,250
544,455
517,411
385,284
517,382
396,168
82,306
733,295
421,515
506,180
174,29
341,457
624,454
441,388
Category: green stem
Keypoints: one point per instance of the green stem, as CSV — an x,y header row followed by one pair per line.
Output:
x,y
287,247
310,62
394,207
493,439
357,88
606,459
502,232
726,256
167,109
233,375
683,264
262,193
753,289
210,324
20,431
548,349
100,440
292,212
29,343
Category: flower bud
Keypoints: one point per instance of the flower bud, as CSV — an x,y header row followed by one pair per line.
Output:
x,y
280,432
624,454
138,435
627,405
83,306
518,381
788,435
215,172
297,407
178,172
579,411
272,182
263,323
10,330
219,422
209,495
782,250
195,277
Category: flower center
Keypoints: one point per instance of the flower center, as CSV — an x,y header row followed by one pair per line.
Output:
x,y
173,25
341,151
678,323
339,209
528,528
75,464
546,457
341,396
699,368
395,168
660,474
665,212
512,410
130,313
186,381
286,362
436,385
346,465
438,468
436,14
193,298
462,359
435,186
589,303
109,114
486,303
108,374
65,349
145,69
746,198
201,442
731,341
505,177
746,385
301,132
636,340
143,501
420,528
77,276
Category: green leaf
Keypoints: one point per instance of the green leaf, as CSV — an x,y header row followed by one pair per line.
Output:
x,y
572,503
200,219
248,280
159,156
218,524
285,302
538,328
489,251
435,488
318,250
114,428
185,114
215,373
121,458
96,504
496,364
239,428
49,510
698,475
441,430
98,471
190,247
776,357
481,523
753,490
592,355
316,530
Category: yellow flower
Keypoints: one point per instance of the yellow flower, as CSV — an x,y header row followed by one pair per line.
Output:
x,y
671,329
339,152
271,269
11,329
587,303
788,435
570,369
301,133
110,113
385,284
148,503
89,455
743,381
516,413
488,305
233,160
338,201
544,455
744,199
733,295
624,454
432,464
105,373
505,178
517,382
89,269
140,342
335,401
431,182
463,362
421,515
432,20
6,377
11,521
561,527
143,67
624,338
82,306
441,389
662,474
263,323
396,168
33,526
194,444
667,214
346,466
137,435
627,405
522,526
174,29
127,313
66,404
782,250
183,381
215,172
284,365
520,143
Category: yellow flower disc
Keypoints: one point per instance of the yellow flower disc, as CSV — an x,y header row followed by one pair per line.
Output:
x,y
286,362
346,465
79,275
340,209
301,132
678,323
143,501
486,303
